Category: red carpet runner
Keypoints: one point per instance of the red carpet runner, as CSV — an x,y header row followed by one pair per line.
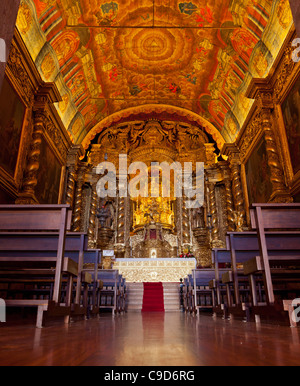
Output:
x,y
153,300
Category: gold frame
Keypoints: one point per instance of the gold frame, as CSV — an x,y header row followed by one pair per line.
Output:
x,y
60,160
293,180
255,142
8,182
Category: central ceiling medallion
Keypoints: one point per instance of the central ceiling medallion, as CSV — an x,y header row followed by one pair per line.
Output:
x,y
155,51
153,45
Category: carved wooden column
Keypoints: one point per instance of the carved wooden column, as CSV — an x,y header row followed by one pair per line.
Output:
x,y
92,218
27,195
233,154
47,94
123,212
186,241
224,166
71,172
185,223
72,167
121,226
78,200
214,215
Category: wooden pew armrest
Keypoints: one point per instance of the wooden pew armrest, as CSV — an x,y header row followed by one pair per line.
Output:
x,y
253,265
227,277
86,277
70,267
212,284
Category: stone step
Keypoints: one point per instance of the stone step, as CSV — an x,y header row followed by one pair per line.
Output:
x,y
135,292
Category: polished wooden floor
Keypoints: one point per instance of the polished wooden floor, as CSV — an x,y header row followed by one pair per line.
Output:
x,y
150,339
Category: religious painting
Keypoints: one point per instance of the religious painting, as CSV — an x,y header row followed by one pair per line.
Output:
x,y
11,123
49,174
291,116
258,175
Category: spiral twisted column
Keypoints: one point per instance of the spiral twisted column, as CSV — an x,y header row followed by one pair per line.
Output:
x,y
70,185
213,213
27,195
74,154
229,206
78,203
238,196
92,217
185,222
121,221
229,197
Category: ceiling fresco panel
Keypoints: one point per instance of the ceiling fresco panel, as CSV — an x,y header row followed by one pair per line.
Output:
x,y
112,56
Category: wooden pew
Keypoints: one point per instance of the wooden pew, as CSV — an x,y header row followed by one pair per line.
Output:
x,y
220,256
22,249
281,224
110,294
186,291
43,246
92,260
243,246
122,297
201,293
76,249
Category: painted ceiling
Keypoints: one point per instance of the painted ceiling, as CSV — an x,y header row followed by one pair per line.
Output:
x,y
116,59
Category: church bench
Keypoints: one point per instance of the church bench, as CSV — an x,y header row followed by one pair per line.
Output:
x,y
185,291
122,290
292,308
235,285
188,293
220,257
40,249
110,293
201,296
34,243
87,285
278,228
15,251
244,247
92,260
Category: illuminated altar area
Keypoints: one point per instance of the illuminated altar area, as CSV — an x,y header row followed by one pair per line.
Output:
x,y
155,270
150,232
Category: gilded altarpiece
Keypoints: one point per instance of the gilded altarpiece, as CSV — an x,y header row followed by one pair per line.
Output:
x,y
154,226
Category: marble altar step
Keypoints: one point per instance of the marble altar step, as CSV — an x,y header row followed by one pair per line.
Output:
x,y
135,292
134,300
171,297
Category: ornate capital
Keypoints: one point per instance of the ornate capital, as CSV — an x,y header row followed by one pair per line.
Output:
x,y
232,152
74,154
265,99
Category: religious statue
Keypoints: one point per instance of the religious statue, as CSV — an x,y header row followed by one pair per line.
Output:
x,y
239,221
103,215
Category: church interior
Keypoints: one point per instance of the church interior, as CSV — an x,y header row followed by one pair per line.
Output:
x,y
149,279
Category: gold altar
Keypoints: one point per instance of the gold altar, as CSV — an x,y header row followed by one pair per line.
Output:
x,y
155,270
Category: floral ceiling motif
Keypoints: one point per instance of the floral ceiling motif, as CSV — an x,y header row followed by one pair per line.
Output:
x,y
110,56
